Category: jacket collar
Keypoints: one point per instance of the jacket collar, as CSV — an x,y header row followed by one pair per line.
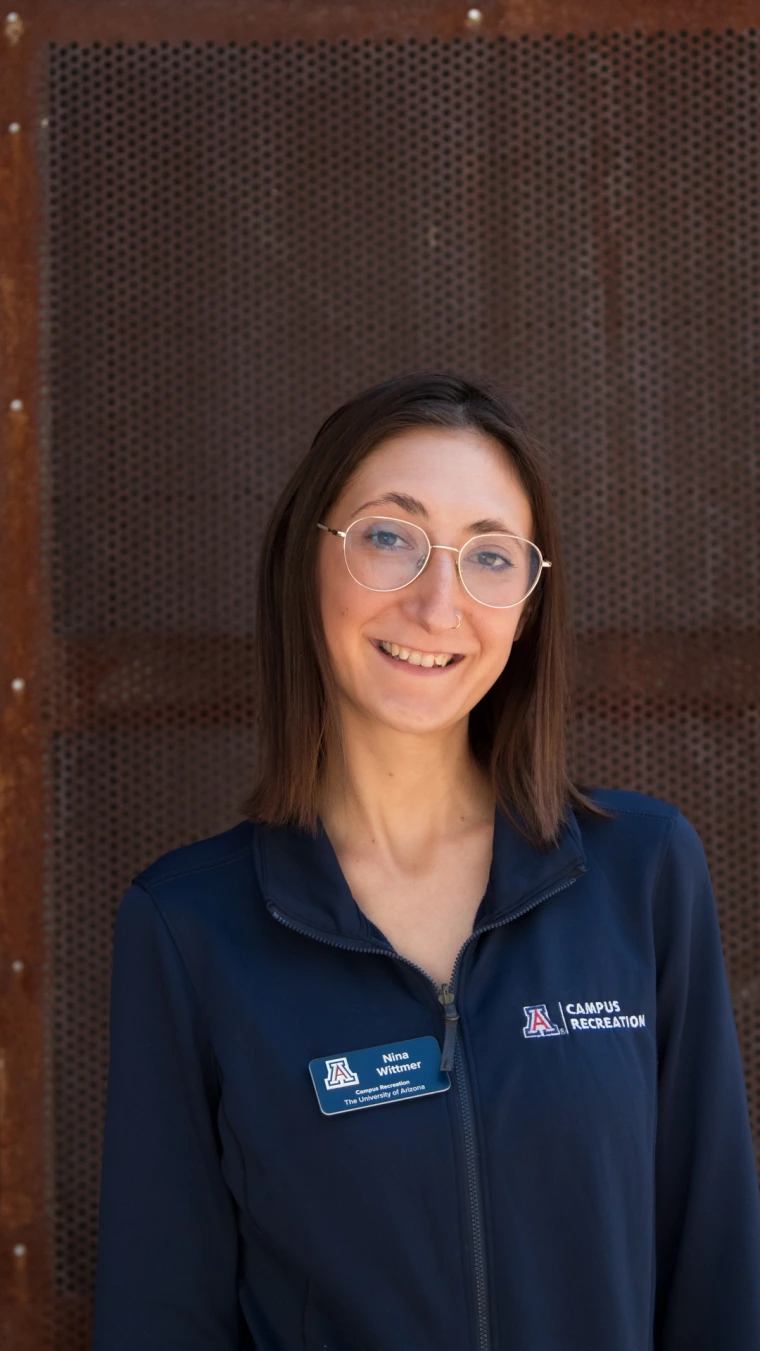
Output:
x,y
299,876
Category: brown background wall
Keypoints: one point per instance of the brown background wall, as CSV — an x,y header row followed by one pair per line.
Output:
x,y
216,222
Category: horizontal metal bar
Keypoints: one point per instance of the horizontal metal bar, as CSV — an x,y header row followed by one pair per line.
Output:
x,y
206,679
285,20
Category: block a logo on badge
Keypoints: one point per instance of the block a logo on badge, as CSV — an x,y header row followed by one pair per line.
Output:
x,y
538,1023
339,1073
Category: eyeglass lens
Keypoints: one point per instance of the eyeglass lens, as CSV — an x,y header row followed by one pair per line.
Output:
x,y
384,555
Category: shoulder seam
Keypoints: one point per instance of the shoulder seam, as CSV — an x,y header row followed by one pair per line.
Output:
x,y
199,868
663,853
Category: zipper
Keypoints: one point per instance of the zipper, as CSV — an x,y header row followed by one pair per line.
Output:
x,y
446,992
453,1059
476,1210
458,1064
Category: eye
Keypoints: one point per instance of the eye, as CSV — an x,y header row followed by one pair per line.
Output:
x,y
388,540
490,560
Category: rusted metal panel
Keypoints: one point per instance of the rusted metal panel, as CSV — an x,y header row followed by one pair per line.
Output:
x,y
238,238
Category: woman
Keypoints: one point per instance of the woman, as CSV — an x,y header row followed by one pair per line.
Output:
x,y
432,1050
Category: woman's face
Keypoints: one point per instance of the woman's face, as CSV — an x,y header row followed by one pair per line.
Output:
x,y
455,484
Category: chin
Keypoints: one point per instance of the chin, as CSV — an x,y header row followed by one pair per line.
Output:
x,y
417,721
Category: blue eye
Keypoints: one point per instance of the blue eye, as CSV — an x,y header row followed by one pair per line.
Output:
x,y
386,539
490,561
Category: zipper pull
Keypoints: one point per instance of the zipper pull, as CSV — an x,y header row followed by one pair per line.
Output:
x,y
446,997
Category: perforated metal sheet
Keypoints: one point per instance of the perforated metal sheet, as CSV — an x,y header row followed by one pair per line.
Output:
x,y
240,237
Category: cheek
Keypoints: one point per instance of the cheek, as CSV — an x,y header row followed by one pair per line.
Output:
x,y
331,599
496,641
340,601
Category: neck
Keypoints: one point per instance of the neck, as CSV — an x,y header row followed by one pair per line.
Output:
x,y
402,789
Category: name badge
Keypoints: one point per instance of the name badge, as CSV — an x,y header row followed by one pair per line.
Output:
x,y
381,1074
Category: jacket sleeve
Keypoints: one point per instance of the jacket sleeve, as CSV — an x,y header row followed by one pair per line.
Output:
x,y
167,1248
707,1205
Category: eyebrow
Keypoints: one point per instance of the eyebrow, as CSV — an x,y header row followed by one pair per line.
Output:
x,y
488,525
402,500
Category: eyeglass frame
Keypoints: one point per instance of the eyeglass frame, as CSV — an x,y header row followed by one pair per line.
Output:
x,y
398,520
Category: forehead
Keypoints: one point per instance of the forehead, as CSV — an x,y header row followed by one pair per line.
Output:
x,y
458,475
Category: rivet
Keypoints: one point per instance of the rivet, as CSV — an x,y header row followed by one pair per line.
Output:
x,y
43,121
17,966
14,28
19,1250
17,405
18,684
474,15
14,128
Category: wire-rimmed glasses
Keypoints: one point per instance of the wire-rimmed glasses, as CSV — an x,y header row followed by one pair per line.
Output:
x,y
383,553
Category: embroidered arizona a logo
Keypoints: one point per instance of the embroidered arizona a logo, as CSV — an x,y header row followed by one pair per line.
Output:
x,y
339,1073
538,1023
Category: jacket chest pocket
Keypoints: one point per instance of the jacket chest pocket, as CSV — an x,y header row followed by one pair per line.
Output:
x,y
575,1077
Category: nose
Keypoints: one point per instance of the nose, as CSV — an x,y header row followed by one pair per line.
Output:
x,y
433,596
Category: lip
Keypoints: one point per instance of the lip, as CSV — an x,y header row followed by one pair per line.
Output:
x,y
416,670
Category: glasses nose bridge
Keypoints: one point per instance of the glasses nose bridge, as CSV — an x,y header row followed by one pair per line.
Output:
x,y
449,548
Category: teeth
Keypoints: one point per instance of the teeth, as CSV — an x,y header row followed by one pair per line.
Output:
x,y
409,655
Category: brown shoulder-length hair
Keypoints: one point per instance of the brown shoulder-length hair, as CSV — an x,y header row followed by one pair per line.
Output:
x,y
517,730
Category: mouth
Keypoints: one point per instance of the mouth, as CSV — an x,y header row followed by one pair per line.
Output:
x,y
415,657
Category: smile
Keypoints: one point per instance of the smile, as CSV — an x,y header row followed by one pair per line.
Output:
x,y
414,657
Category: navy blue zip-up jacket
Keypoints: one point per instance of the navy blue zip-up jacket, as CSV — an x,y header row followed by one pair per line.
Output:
x,y
586,1184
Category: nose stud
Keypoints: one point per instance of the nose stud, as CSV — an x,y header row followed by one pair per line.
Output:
x,y
459,620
